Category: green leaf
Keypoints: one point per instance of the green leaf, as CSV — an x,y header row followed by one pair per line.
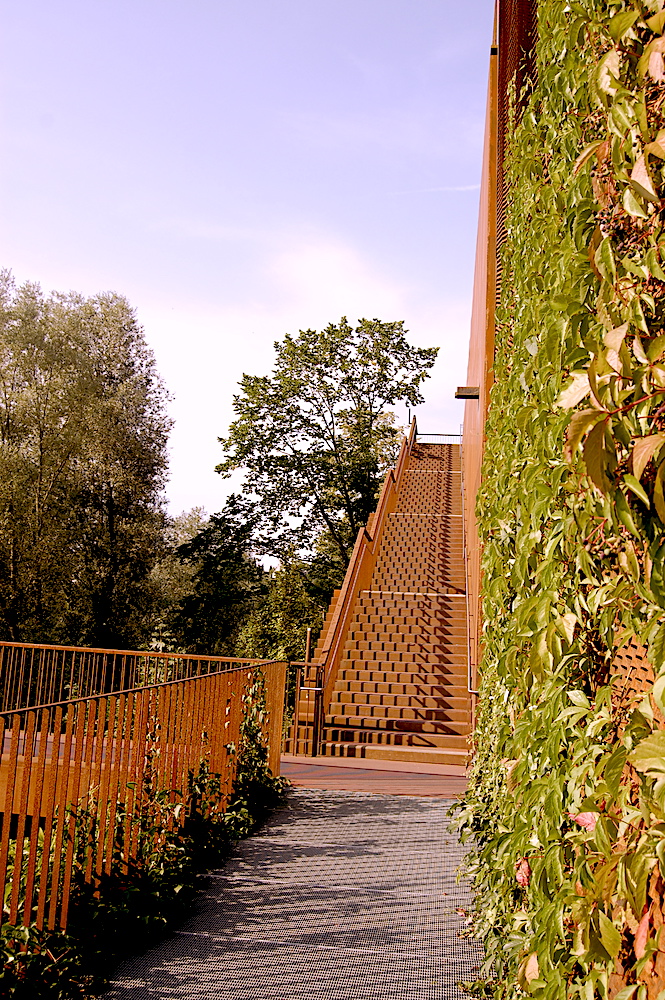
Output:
x,y
627,992
607,74
597,457
657,648
579,698
653,263
658,497
586,154
658,692
649,754
580,423
632,205
621,23
655,23
625,514
604,258
609,935
614,768
633,484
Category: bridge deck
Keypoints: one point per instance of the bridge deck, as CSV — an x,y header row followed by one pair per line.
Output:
x,y
342,896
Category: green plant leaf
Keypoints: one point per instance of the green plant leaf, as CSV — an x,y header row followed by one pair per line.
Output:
x,y
614,768
649,754
604,258
580,423
621,23
656,23
658,497
609,935
632,205
597,457
633,485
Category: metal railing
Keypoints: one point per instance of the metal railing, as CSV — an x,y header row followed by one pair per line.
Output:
x,y
77,775
313,683
361,567
39,675
439,438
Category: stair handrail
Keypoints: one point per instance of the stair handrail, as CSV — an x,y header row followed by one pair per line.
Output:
x,y
361,567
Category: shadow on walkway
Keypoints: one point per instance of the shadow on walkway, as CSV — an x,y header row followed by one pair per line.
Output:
x,y
341,896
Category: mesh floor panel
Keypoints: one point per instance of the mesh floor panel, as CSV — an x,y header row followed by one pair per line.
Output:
x,y
342,896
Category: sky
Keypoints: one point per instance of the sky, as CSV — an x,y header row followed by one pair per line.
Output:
x,y
240,169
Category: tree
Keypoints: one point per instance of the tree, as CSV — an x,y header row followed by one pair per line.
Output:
x,y
316,437
226,583
83,435
172,576
277,627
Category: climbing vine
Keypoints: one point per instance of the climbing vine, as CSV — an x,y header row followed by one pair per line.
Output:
x,y
566,803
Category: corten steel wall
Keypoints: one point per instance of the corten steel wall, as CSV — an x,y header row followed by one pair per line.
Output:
x,y
76,777
511,61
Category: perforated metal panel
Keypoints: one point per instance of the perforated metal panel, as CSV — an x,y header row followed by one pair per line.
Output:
x,y
633,672
343,896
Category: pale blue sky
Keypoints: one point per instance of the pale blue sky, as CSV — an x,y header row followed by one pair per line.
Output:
x,y
243,168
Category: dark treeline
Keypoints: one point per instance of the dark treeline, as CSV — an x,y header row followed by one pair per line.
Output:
x,y
88,555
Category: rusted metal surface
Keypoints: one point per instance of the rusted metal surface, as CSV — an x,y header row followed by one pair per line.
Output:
x,y
511,63
316,680
76,776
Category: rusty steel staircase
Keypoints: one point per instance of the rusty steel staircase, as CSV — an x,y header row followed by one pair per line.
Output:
x,y
389,677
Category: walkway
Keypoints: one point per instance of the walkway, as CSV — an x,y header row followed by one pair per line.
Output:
x,y
344,895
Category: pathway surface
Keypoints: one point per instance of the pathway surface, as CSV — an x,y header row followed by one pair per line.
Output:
x,y
320,772
344,895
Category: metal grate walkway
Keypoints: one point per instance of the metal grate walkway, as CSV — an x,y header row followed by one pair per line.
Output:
x,y
342,896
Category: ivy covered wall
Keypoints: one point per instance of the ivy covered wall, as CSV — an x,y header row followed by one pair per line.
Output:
x,y
566,805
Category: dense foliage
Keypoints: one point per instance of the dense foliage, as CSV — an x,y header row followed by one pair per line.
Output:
x,y
82,462
567,797
316,437
225,586
277,627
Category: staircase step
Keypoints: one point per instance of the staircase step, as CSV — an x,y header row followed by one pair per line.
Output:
x,y
353,712
373,722
376,737
452,678
423,755
440,701
407,689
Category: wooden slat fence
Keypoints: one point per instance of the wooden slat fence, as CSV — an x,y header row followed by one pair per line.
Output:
x,y
77,775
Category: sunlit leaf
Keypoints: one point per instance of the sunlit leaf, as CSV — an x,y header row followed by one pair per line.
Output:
x,y
632,205
608,72
641,181
615,338
575,392
604,258
581,422
649,754
635,487
658,496
597,457
643,451
586,154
